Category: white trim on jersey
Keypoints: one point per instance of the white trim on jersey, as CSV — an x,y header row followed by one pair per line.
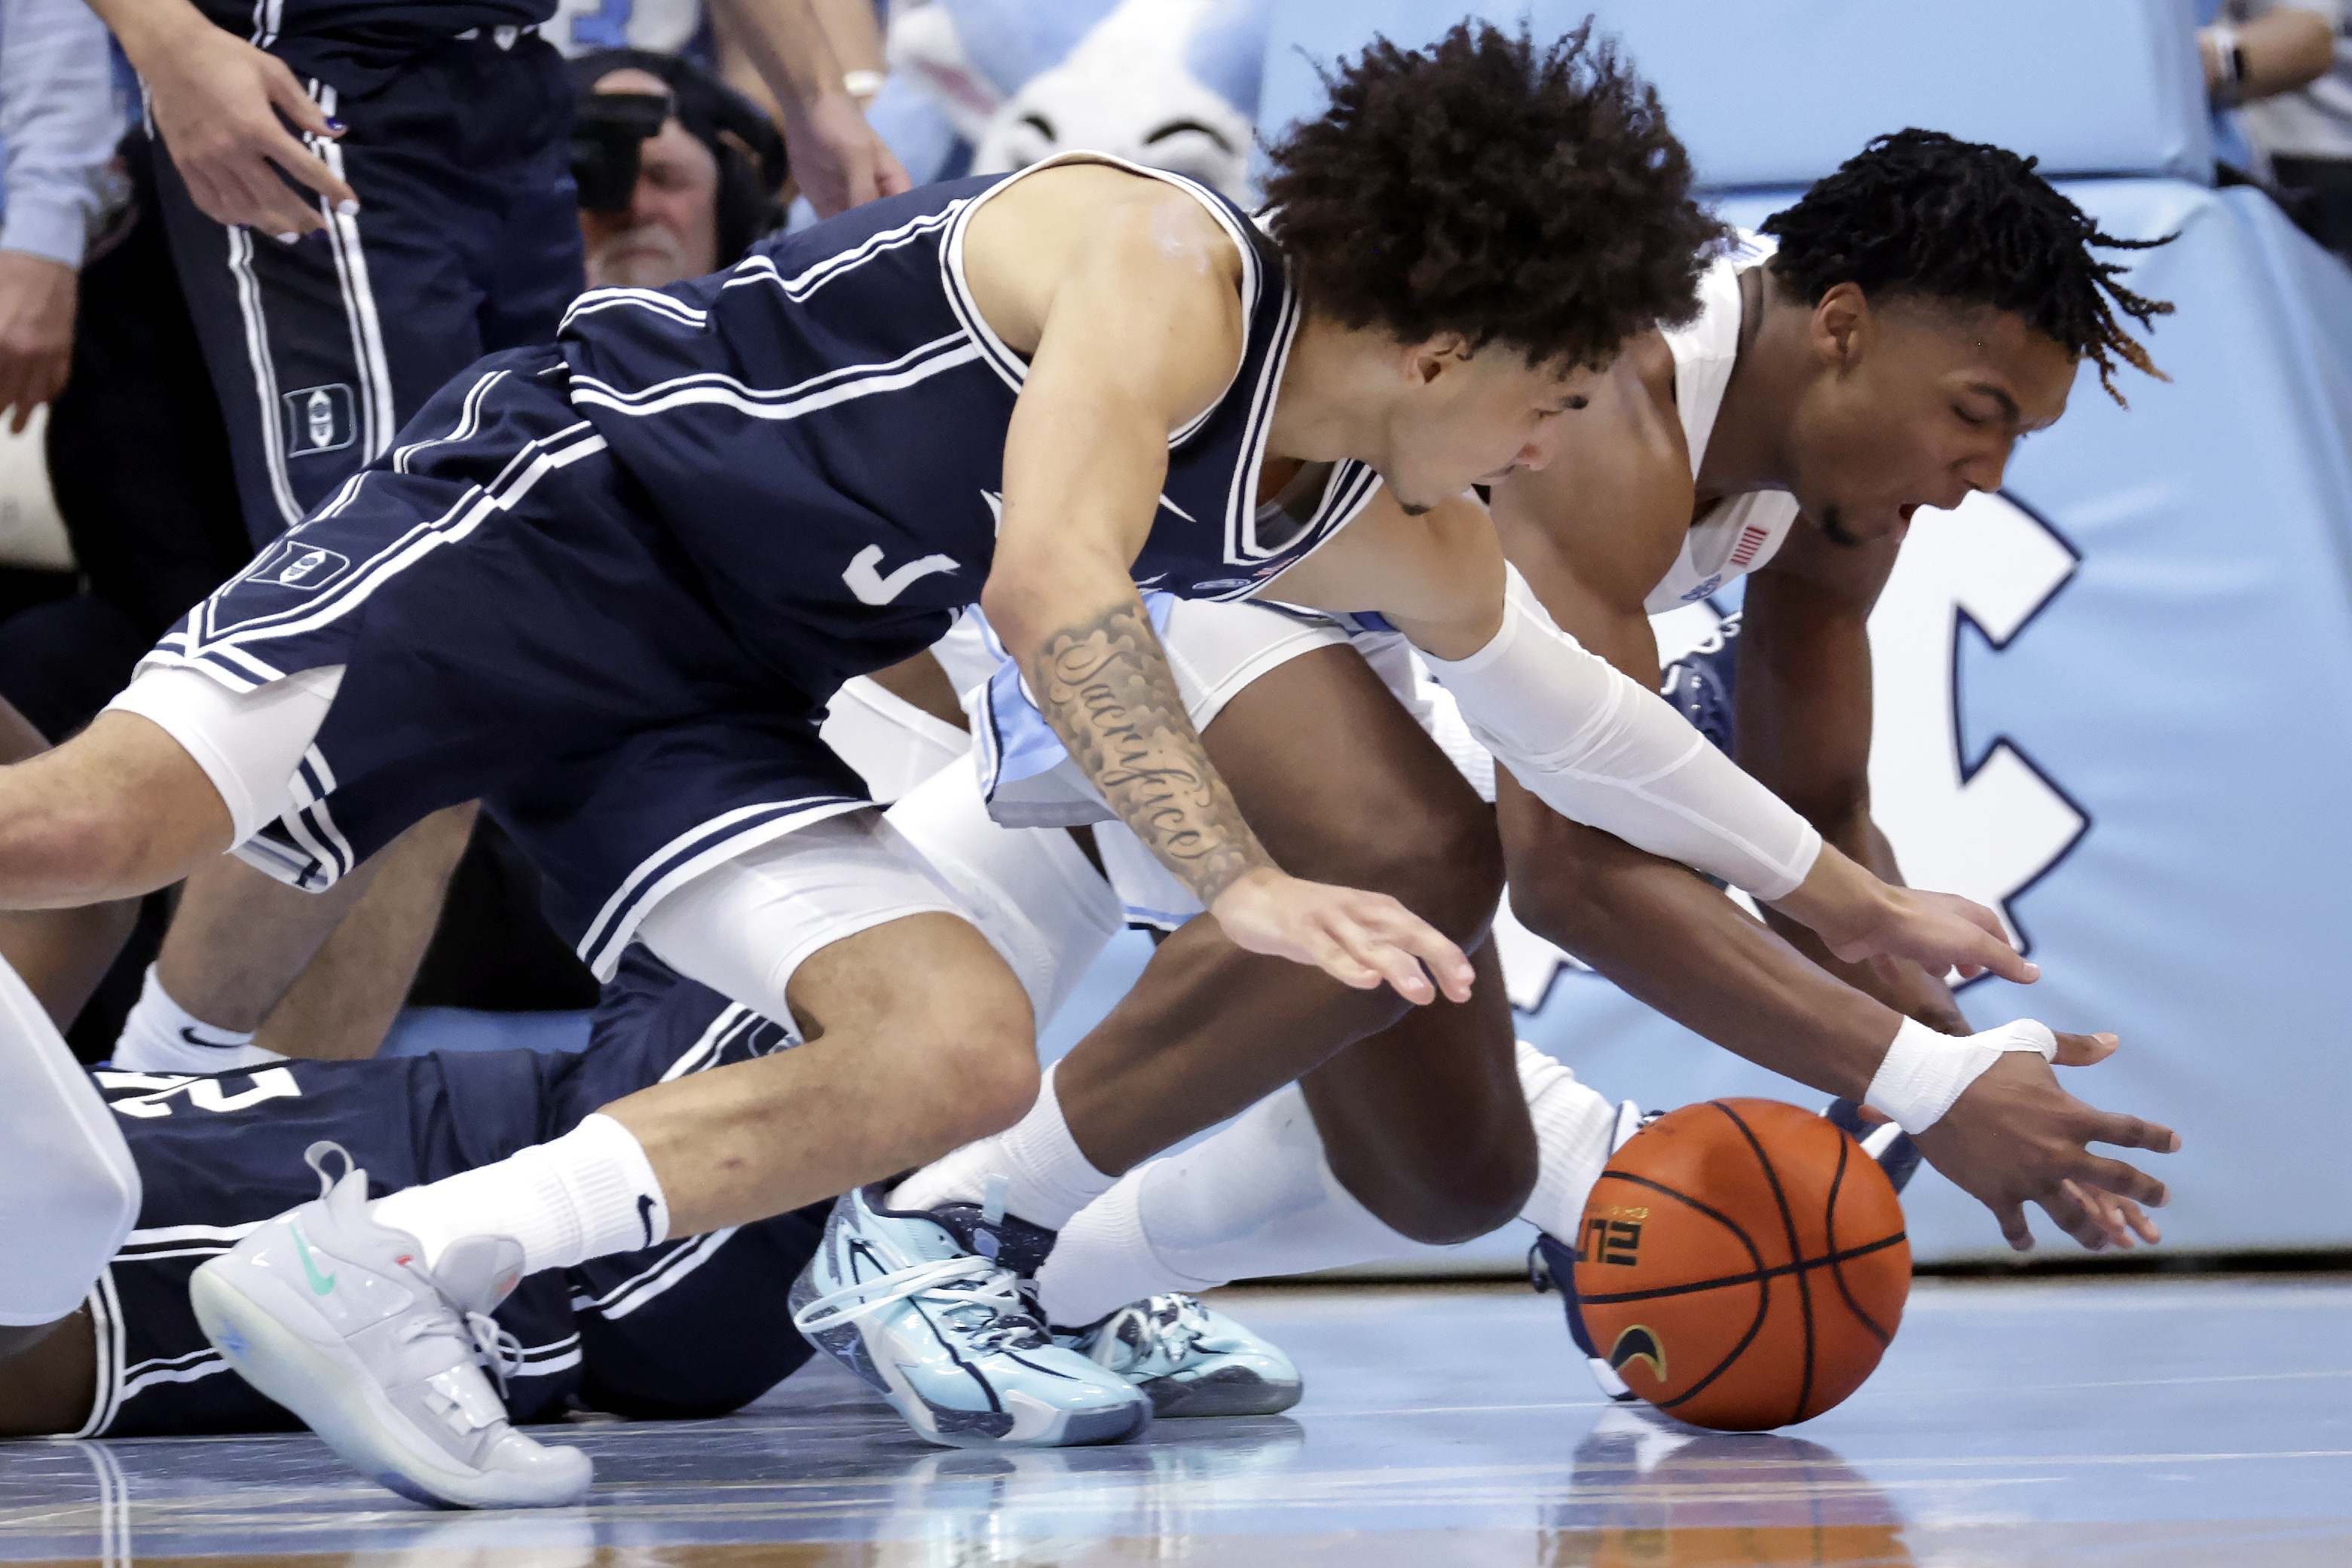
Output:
x,y
532,462
838,386
762,270
1011,367
687,856
264,372
105,1322
377,425
268,17
637,1290
470,420
713,1039
651,299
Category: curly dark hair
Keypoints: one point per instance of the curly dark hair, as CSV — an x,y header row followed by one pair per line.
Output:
x,y
1922,212
1531,196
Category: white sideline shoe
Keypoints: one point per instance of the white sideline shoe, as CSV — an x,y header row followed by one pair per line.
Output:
x,y
332,1315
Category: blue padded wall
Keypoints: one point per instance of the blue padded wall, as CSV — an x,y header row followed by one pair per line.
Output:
x,y
1778,93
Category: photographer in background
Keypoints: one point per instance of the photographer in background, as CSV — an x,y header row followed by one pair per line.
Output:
x,y
2288,70
679,172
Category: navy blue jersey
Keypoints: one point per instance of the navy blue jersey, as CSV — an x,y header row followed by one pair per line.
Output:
x,y
356,44
695,1326
822,430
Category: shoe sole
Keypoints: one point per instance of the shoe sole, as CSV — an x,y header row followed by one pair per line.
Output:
x,y
1228,1390
318,1384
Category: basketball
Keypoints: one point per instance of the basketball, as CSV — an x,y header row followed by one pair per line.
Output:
x,y
1742,1264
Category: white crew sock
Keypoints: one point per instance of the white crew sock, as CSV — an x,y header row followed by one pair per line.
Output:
x,y
1573,1125
589,1194
1256,1200
162,1035
1048,1180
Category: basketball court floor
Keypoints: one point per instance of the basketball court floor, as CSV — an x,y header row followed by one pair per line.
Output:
x,y
2139,1422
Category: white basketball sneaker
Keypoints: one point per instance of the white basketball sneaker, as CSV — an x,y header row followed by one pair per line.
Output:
x,y
1190,1360
948,1337
332,1315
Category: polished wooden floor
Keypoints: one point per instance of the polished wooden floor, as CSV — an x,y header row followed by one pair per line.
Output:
x,y
2138,1423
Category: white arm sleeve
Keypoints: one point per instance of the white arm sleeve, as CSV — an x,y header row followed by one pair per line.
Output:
x,y
1592,744
72,1192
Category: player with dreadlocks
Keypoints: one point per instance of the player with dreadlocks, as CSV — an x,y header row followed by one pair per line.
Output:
x,y
1927,307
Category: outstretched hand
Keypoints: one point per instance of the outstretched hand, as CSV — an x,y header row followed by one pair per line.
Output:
x,y
2015,1136
1939,931
1361,939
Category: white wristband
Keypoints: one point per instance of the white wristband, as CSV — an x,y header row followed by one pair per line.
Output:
x,y
1924,1071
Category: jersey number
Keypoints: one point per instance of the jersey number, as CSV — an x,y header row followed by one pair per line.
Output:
x,y
204,1093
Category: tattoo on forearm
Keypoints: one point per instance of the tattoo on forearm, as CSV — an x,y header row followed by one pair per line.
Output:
x,y
1105,688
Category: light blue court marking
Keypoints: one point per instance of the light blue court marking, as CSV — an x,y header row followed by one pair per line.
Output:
x,y
2161,1424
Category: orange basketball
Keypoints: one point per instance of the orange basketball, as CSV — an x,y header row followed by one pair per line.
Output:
x,y
1742,1264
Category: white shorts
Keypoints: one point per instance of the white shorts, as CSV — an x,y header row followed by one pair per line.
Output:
x,y
1217,649
745,926
249,744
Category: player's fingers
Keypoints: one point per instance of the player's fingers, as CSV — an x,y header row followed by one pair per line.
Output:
x,y
1327,954
312,170
1395,963
2072,1217
2133,1132
21,418
2139,1220
1394,923
2083,1049
287,95
2105,1208
270,205
1994,954
2123,1180
2013,1228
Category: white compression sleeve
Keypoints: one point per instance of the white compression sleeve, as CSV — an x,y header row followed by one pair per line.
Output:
x,y
1597,748
72,1192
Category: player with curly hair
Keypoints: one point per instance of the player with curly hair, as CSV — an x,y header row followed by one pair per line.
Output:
x,y
607,587
1927,307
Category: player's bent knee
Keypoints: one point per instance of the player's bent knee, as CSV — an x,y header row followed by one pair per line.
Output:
x,y
1445,866
973,1032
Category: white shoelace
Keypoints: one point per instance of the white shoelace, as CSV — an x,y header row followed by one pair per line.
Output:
x,y
992,1287
492,1347
1159,1347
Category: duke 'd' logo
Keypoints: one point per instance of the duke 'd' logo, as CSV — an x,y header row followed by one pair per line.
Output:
x,y
1987,827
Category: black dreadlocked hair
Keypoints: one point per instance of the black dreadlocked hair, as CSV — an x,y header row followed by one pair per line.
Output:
x,y
1485,186
1922,212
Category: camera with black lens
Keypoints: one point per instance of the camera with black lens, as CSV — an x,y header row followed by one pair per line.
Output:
x,y
608,136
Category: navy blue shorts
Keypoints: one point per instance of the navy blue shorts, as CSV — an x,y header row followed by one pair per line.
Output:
x,y
691,1328
468,241
516,628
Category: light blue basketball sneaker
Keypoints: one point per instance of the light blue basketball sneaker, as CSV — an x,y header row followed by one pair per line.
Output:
x,y
949,1338
1190,1360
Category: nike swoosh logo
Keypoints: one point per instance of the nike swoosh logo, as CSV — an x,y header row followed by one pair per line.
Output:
x,y
192,1038
320,1284
645,1215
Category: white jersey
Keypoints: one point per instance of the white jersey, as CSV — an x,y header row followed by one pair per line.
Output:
x,y
1738,533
